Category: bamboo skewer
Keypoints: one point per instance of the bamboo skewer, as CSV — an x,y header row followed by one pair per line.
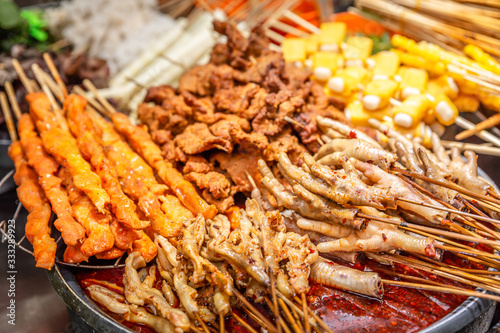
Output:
x,y
425,267
480,149
488,123
221,323
12,99
22,76
447,184
247,304
482,134
244,323
457,291
203,325
8,117
454,211
306,316
430,230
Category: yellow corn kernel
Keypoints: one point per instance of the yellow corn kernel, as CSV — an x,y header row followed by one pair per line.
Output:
x,y
466,103
311,43
325,64
331,35
413,81
445,110
378,93
430,116
414,60
386,65
483,58
411,111
294,49
359,116
425,50
448,86
348,80
357,49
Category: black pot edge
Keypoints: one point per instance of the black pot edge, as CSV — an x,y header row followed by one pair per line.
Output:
x,y
72,294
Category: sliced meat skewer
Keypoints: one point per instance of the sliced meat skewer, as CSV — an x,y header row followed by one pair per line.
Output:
x,y
62,146
32,197
82,128
46,169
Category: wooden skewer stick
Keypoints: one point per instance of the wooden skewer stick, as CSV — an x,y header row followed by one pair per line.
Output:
x,y
22,76
414,278
47,79
221,323
194,328
482,261
454,211
13,100
463,292
480,149
482,203
289,316
454,273
295,308
8,117
315,316
430,230
249,306
485,124
244,323
447,184
55,74
57,110
79,91
90,86
253,316
457,249
422,266
482,134
306,315
205,328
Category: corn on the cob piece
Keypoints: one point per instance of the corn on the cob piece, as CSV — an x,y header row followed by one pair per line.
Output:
x,y
378,93
348,80
483,58
411,112
415,60
413,81
331,35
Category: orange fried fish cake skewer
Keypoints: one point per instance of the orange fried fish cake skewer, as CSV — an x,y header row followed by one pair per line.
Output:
x,y
74,255
99,235
62,146
31,195
141,141
46,169
124,236
82,128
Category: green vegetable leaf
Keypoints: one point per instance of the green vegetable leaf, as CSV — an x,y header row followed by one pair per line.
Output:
x,y
9,15
38,34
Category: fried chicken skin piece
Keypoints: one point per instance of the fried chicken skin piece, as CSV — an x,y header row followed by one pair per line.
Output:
x,y
46,169
63,147
141,141
80,124
31,195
